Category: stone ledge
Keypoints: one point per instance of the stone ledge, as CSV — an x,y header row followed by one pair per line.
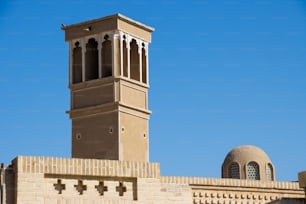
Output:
x,y
231,183
85,167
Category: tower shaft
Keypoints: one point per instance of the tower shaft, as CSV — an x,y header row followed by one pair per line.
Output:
x,y
108,81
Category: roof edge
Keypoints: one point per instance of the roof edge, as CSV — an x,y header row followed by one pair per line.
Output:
x,y
117,15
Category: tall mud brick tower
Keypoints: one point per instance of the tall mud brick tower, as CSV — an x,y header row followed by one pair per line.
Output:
x,y
109,81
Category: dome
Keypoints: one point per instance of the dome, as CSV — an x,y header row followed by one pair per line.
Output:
x,y
246,153
248,162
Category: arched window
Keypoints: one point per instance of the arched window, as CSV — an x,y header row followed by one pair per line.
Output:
x,y
107,57
269,172
77,64
91,60
134,60
234,171
252,171
125,60
144,65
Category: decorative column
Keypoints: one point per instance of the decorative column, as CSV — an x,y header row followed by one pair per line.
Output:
x,y
140,60
121,53
100,40
128,40
114,39
147,60
146,47
83,46
71,47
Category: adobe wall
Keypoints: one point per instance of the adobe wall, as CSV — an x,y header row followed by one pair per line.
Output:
x,y
58,180
302,181
236,191
65,180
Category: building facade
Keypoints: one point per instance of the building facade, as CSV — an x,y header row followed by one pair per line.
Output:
x,y
109,81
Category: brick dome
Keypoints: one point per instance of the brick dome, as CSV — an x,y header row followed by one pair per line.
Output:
x,y
248,162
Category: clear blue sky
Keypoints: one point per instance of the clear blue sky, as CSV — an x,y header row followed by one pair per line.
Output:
x,y
222,74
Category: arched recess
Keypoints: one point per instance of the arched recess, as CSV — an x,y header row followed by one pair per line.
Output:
x,y
252,171
91,60
234,170
77,64
269,172
134,61
144,65
107,69
125,59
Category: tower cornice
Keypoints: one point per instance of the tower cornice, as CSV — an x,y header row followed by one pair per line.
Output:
x,y
116,22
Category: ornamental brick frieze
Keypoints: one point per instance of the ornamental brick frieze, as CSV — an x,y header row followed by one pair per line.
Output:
x,y
235,197
101,186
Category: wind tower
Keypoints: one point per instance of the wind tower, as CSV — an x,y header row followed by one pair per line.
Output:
x,y
109,81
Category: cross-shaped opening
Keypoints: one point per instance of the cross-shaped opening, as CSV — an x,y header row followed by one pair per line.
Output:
x,y
59,186
121,189
101,188
80,187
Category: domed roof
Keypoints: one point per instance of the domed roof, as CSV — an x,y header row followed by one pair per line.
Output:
x,y
248,162
245,154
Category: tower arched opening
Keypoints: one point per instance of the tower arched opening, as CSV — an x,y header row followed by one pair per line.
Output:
x,y
125,58
134,61
107,69
77,64
91,60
